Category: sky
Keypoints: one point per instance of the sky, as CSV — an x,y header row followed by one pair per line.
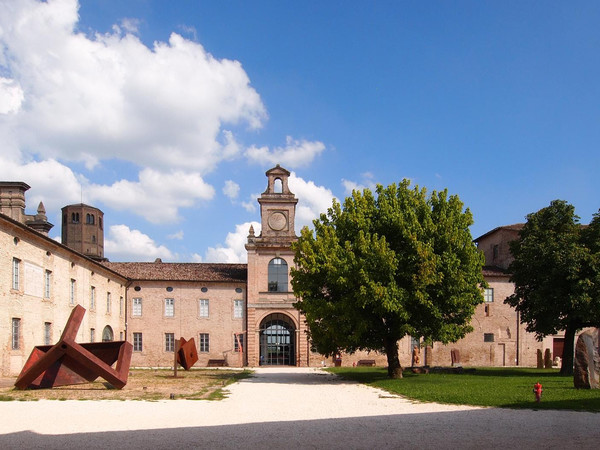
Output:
x,y
166,115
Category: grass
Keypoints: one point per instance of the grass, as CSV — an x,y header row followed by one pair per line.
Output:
x,y
143,384
497,387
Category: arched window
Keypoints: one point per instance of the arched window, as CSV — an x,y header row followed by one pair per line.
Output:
x,y
278,186
89,219
278,275
107,334
75,217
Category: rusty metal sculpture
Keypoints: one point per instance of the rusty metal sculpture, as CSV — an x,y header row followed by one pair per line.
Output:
x,y
187,355
68,362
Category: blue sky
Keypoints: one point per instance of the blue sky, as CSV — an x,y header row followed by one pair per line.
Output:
x,y
166,115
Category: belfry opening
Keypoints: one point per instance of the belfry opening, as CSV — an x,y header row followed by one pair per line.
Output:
x,y
277,341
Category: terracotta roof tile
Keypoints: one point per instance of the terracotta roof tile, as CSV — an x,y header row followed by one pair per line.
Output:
x,y
494,271
159,271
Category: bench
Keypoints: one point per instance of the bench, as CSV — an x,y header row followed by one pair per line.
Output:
x,y
366,363
216,363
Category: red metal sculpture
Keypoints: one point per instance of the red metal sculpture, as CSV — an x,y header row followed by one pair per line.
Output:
x,y
68,362
187,354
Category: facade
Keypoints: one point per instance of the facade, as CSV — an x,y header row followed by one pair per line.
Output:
x,y
167,301
238,314
41,281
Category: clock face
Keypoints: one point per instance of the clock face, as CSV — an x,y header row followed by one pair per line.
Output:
x,y
277,221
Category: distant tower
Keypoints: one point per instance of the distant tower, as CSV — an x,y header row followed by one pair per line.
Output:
x,y
12,199
12,204
83,230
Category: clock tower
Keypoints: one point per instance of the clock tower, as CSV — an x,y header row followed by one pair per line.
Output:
x,y
275,329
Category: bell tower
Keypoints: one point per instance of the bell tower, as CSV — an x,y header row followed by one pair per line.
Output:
x,y
275,328
83,230
277,209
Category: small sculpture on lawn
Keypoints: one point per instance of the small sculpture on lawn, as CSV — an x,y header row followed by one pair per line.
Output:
x,y
187,355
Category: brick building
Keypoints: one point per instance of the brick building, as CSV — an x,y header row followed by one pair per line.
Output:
x,y
41,281
239,314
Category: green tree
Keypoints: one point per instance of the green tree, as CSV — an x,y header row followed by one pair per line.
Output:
x,y
555,272
383,267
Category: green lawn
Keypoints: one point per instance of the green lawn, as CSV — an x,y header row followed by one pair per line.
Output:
x,y
499,387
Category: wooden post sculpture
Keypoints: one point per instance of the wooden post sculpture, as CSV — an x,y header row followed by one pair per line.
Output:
x,y
187,355
68,362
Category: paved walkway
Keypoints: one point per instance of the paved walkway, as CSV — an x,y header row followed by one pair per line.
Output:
x,y
289,408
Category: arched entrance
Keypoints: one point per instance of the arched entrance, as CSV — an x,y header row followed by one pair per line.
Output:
x,y
277,341
107,334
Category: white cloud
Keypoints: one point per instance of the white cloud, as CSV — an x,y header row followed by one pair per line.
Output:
x,y
250,205
178,235
11,96
51,182
294,154
234,250
111,96
231,189
129,25
66,96
171,191
124,244
366,183
312,200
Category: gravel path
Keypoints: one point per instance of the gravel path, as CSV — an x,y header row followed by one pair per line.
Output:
x,y
289,408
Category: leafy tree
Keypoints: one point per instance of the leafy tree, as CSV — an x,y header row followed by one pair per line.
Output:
x,y
555,272
383,267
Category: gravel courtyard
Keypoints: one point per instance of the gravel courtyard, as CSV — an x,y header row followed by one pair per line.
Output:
x,y
289,408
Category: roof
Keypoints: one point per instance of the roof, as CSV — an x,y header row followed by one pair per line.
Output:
x,y
494,271
513,227
51,242
159,271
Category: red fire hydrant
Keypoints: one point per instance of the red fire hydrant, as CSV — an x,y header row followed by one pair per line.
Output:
x,y
537,390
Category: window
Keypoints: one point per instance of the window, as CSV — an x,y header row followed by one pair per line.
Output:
x,y
136,309
16,334
92,297
47,333
16,272
75,217
107,334
488,295
169,307
108,303
100,222
238,343
72,298
278,275
47,284
238,309
169,342
92,334
203,308
488,337
137,342
495,252
120,306
89,219
204,342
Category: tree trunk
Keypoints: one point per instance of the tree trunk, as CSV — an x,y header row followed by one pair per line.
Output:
x,y
567,358
391,351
